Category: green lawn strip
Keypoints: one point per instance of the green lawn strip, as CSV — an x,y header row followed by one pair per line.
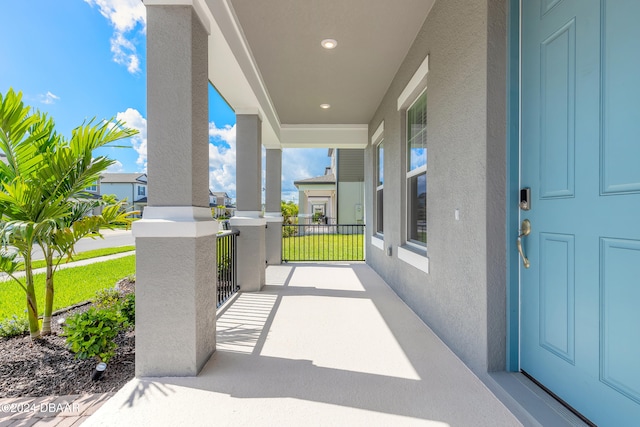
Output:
x,y
72,285
323,247
87,255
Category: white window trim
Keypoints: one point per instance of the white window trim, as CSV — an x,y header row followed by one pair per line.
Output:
x,y
377,135
376,139
411,252
415,87
377,242
417,260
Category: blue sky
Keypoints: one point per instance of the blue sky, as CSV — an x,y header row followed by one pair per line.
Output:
x,y
80,59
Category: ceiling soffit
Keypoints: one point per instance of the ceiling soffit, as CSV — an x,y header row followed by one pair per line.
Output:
x,y
283,38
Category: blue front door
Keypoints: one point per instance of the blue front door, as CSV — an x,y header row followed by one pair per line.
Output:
x,y
580,156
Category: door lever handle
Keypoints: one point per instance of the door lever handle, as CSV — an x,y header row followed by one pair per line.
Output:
x,y
525,231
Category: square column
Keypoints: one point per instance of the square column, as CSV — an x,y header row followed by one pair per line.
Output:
x,y
273,210
176,239
248,218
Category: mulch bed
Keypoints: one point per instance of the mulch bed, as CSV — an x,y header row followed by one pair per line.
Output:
x,y
46,368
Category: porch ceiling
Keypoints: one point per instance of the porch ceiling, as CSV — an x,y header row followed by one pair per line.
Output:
x,y
284,69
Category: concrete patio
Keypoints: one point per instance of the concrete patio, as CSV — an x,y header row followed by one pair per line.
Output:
x,y
323,344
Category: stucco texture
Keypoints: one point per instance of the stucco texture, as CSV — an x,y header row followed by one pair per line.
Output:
x,y
178,109
177,296
462,296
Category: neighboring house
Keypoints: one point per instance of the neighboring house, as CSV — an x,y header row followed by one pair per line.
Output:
x,y
339,193
130,186
220,198
515,239
317,196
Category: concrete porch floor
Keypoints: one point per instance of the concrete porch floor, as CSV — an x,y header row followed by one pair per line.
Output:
x,y
326,344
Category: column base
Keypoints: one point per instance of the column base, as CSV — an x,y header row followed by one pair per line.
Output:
x,y
251,252
274,238
175,291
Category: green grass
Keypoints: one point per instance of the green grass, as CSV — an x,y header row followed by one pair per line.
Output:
x,y
86,255
323,247
72,285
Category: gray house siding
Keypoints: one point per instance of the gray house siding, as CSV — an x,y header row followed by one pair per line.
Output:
x,y
462,298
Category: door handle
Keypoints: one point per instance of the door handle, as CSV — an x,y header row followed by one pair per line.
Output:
x,y
525,231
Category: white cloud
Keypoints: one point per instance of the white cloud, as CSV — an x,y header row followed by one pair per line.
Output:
x,y
125,16
133,119
124,53
301,163
49,98
222,159
117,167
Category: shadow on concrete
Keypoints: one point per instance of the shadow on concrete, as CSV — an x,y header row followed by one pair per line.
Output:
x,y
362,349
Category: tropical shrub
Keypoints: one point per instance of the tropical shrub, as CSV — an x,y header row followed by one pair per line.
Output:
x,y
42,193
92,333
107,298
128,309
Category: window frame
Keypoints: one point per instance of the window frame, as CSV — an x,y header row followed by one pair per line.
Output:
x,y
414,173
379,210
411,253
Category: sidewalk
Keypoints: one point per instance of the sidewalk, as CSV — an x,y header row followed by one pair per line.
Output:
x,y
4,277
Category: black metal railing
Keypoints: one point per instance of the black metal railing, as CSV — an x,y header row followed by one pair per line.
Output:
x,y
227,263
322,242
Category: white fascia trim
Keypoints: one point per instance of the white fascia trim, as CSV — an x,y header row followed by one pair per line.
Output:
x,y
175,221
377,242
200,7
377,135
421,262
416,85
323,136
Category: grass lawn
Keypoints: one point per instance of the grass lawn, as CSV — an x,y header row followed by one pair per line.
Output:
x,y
323,247
72,285
87,255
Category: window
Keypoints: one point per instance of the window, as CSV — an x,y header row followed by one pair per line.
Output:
x,y
380,187
93,187
417,171
141,190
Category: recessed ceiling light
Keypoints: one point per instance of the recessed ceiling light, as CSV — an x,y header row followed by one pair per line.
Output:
x,y
329,43
325,106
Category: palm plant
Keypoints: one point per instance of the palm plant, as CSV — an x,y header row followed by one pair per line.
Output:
x,y
42,198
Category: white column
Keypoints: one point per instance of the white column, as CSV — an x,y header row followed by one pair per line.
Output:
x,y
248,218
175,240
